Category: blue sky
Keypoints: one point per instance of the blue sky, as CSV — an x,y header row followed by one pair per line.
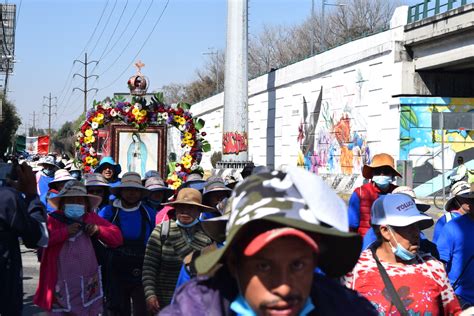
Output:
x,y
50,34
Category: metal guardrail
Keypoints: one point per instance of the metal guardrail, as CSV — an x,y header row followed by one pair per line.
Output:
x,y
429,8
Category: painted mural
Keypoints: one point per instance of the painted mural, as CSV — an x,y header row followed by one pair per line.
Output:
x,y
422,145
332,135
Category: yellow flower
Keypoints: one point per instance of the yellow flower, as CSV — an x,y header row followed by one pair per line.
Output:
x,y
190,143
89,160
177,118
174,177
135,111
100,117
94,161
89,139
187,165
176,185
143,112
89,132
182,121
188,135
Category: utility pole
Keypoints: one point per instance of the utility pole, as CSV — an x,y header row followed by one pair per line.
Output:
x,y
216,53
33,125
49,114
323,18
85,77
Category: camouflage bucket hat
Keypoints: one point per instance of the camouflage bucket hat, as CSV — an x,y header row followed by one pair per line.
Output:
x,y
296,199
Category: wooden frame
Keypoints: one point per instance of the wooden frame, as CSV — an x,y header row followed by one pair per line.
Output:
x,y
139,151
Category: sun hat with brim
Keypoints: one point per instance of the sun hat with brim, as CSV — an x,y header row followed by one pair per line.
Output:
x,y
190,196
213,185
61,175
151,174
379,160
420,205
214,227
195,181
398,210
95,180
74,188
296,199
48,160
459,189
130,180
155,184
111,162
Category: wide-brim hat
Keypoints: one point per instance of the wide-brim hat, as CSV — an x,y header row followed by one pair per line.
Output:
x,y
95,180
379,160
130,180
215,184
154,184
190,196
420,205
459,189
297,199
48,160
215,227
75,188
61,175
109,161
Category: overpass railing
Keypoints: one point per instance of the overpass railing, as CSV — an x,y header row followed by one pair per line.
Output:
x,y
429,8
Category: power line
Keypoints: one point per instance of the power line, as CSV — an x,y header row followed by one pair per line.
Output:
x,y
105,27
123,32
111,36
141,48
69,81
129,41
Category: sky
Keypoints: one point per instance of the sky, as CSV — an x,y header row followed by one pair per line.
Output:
x,y
168,36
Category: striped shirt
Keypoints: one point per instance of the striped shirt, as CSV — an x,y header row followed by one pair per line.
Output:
x,y
162,264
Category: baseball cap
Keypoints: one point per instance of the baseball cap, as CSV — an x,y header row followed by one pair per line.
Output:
x,y
420,205
398,210
265,238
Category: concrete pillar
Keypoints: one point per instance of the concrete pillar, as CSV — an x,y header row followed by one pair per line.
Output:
x,y
235,135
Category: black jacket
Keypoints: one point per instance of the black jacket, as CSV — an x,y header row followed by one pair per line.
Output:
x,y
19,217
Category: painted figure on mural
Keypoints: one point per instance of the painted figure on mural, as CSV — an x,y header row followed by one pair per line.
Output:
x,y
137,155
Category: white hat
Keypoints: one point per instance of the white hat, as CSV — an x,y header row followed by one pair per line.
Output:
x,y
422,207
461,189
398,210
61,175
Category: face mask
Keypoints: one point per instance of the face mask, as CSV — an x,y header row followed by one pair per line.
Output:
x,y
74,211
400,251
48,172
382,181
187,225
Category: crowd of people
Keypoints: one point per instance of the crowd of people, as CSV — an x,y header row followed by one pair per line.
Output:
x,y
263,243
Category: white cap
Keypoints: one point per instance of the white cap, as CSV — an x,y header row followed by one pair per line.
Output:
x,y
398,210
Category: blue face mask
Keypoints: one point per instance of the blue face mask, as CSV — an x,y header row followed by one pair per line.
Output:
x,y
242,308
187,225
74,211
382,181
400,251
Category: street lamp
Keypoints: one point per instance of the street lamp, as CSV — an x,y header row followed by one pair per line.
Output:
x,y
215,52
323,15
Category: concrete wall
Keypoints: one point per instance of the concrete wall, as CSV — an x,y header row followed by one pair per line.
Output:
x,y
331,112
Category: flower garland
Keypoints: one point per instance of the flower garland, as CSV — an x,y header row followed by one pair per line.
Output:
x,y
141,114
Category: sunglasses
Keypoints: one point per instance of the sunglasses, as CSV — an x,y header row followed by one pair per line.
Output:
x,y
383,170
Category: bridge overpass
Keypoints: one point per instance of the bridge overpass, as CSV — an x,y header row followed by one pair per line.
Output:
x,y
333,111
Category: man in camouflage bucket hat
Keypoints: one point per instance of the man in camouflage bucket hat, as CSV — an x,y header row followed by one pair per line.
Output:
x,y
282,226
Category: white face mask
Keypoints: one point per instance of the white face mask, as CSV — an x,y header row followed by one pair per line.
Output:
x,y
400,251
382,181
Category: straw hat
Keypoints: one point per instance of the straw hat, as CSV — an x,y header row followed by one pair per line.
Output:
x,y
75,188
379,160
461,189
130,180
190,196
61,175
422,207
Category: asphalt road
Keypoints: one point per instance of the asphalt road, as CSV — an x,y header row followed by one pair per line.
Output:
x,y
31,270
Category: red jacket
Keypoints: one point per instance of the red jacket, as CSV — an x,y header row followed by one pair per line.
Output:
x,y
108,234
368,193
